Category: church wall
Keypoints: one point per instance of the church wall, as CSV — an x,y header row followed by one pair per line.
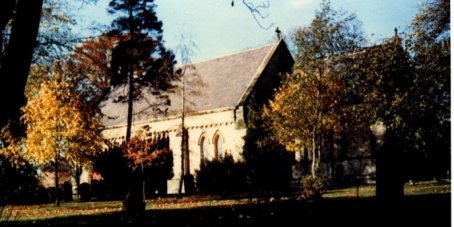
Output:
x,y
225,124
347,159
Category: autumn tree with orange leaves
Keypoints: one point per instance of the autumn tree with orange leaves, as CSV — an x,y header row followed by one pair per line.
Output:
x,y
307,107
93,61
58,127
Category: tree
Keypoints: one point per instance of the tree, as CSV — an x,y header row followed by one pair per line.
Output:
x,y
15,64
379,80
257,11
58,128
304,109
18,183
18,179
428,99
92,61
142,152
141,60
140,51
308,106
55,35
30,31
268,162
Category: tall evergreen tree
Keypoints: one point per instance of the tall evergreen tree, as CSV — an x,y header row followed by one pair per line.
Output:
x,y
141,60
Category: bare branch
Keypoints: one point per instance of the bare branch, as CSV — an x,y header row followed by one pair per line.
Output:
x,y
257,12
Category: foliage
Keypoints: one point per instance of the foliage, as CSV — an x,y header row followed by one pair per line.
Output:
x,y
140,58
303,108
156,159
18,183
430,26
116,162
223,176
114,169
141,46
310,100
55,36
268,161
58,126
92,61
312,186
385,75
30,32
329,34
142,151
428,99
11,138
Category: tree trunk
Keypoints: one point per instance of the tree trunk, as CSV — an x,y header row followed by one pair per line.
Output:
x,y
57,191
135,200
18,56
314,158
78,172
6,13
184,169
130,102
319,156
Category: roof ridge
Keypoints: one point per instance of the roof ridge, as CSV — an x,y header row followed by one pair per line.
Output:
x,y
260,70
231,54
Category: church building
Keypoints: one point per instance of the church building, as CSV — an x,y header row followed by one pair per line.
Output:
x,y
217,94
214,107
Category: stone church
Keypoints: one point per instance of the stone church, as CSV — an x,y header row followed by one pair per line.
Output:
x,y
215,114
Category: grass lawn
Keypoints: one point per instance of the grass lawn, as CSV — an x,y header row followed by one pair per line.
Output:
x,y
419,188
424,199
47,211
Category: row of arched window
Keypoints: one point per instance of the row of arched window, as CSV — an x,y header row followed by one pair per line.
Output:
x,y
211,150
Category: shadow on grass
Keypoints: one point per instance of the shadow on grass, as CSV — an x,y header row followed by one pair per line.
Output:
x,y
421,210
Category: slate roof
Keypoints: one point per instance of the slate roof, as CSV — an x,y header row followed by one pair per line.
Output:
x,y
222,82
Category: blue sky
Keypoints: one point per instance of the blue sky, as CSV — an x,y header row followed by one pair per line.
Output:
x,y
218,29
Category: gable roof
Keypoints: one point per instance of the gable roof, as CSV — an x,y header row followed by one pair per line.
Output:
x,y
222,82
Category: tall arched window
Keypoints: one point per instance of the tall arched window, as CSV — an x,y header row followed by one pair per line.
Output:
x,y
204,149
218,150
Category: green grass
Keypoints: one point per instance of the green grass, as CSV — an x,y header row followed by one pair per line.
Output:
x,y
75,209
66,209
45,211
350,192
427,187
364,191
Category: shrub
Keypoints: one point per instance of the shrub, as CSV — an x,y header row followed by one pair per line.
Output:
x,y
312,186
222,176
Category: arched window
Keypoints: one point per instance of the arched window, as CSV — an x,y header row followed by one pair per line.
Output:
x,y
204,149
217,142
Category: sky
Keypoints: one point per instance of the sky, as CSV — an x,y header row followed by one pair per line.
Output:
x,y
213,28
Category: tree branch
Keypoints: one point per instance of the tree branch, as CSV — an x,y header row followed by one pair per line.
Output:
x,y
257,12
